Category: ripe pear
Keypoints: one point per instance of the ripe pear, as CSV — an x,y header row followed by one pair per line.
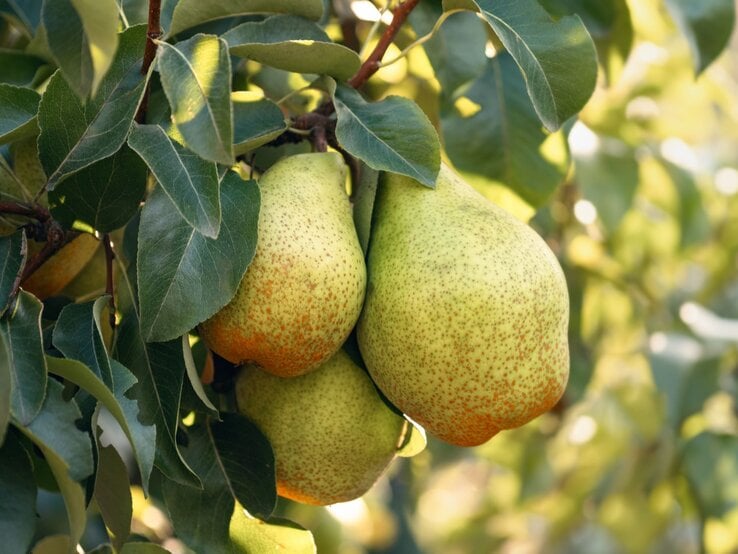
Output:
x,y
26,179
332,434
464,326
304,289
59,270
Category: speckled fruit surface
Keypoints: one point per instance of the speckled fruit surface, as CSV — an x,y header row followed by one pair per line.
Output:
x,y
332,434
304,289
464,326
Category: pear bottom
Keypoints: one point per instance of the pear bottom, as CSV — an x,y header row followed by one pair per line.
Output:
x,y
332,434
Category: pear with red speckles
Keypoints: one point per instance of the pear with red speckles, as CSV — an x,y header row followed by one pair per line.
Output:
x,y
303,291
331,432
464,326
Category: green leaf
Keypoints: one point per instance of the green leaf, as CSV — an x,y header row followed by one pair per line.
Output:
x,y
707,25
20,68
247,459
13,251
184,277
67,450
189,13
18,498
608,178
104,195
190,182
113,494
293,44
275,535
609,24
196,77
369,131
6,384
83,37
77,335
201,529
557,58
225,527
21,329
493,131
26,12
363,200
456,50
194,378
160,370
256,121
710,463
142,437
143,548
55,544
18,108
75,135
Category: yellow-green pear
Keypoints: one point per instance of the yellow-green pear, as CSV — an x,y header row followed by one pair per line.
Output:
x,y
331,432
304,289
464,327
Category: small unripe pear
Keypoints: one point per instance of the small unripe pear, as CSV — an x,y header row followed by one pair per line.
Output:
x,y
464,326
304,289
331,432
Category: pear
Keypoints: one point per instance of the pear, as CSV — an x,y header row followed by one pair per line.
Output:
x,y
464,327
332,434
61,268
304,289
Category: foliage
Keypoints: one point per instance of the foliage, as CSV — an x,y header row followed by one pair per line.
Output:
x,y
584,115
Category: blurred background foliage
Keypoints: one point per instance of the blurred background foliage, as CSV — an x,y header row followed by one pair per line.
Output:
x,y
639,199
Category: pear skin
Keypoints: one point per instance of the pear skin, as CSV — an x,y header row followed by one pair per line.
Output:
x,y
304,289
332,434
59,270
464,327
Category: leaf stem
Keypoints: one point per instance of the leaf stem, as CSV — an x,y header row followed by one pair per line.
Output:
x,y
109,281
373,62
153,33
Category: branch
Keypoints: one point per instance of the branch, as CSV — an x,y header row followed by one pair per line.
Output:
x,y
109,282
153,33
373,62
56,237
35,211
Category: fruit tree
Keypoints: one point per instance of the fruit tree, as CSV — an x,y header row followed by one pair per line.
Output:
x,y
368,276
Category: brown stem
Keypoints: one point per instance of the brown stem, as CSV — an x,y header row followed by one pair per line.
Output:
x,y
372,63
153,33
109,282
56,237
35,211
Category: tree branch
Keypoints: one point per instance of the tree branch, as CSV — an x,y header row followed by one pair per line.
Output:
x,y
153,33
372,63
35,211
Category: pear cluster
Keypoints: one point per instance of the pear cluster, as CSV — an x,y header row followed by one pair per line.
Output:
x,y
460,311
